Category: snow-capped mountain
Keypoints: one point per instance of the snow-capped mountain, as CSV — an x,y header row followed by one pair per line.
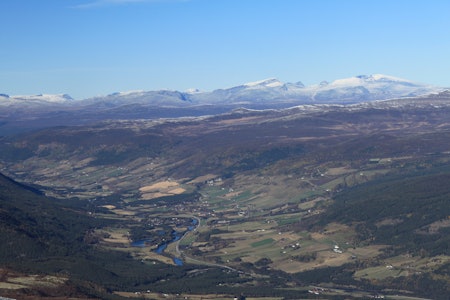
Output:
x,y
349,90
34,99
373,87
155,98
267,83
268,93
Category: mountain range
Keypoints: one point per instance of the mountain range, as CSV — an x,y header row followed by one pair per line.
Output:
x,y
23,113
268,92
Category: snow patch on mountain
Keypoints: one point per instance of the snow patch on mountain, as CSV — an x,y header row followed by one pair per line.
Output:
x,y
193,91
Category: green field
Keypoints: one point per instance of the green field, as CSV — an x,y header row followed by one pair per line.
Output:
x,y
262,243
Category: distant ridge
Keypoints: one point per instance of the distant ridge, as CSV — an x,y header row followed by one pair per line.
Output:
x,y
278,94
354,89
23,113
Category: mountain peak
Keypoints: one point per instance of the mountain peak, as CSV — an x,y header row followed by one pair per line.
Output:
x,y
270,82
50,98
382,77
361,80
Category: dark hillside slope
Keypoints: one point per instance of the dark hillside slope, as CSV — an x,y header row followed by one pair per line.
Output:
x,y
32,226
408,211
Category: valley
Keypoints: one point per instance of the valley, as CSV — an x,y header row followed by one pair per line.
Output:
x,y
349,202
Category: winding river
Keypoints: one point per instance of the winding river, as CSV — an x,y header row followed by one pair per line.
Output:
x,y
176,237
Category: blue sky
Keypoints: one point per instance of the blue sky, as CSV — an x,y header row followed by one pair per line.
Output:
x,y
95,47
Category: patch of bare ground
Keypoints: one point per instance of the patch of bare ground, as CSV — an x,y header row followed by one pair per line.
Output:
x,y
11,286
18,286
176,191
434,227
158,186
161,189
118,238
388,222
38,280
123,212
202,179
110,207
144,254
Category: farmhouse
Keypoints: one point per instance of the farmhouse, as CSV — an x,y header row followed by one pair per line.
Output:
x,y
336,249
